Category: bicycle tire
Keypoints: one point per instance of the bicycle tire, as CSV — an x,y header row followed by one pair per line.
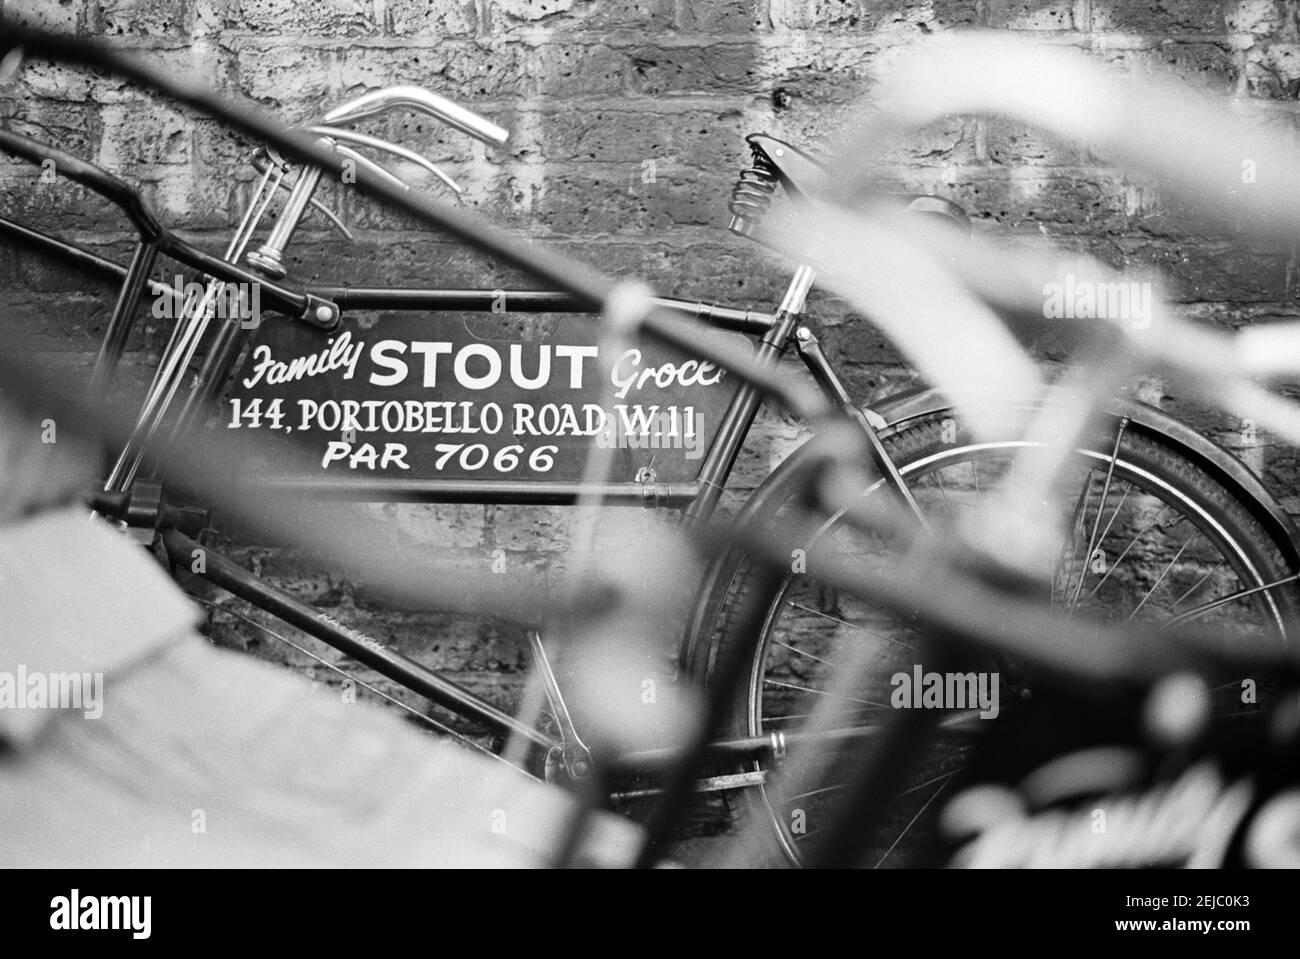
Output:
x,y
922,447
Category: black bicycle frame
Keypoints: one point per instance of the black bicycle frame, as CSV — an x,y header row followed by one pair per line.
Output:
x,y
698,497
323,308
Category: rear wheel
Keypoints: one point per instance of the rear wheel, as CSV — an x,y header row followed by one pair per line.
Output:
x,y
1153,537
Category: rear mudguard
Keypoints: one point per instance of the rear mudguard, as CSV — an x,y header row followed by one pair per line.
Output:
x,y
903,408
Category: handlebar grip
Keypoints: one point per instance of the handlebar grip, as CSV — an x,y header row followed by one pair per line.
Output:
x,y
418,98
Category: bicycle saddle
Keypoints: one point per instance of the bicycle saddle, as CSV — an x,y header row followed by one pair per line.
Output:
x,y
803,175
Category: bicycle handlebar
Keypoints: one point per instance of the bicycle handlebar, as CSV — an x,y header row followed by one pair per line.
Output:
x,y
269,258
88,175
425,101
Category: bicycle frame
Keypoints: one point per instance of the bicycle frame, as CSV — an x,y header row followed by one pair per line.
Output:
x,y
776,332
324,308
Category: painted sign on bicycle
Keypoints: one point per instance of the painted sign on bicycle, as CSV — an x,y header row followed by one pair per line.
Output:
x,y
420,396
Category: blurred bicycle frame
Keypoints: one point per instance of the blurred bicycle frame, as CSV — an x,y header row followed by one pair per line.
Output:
x,y
142,505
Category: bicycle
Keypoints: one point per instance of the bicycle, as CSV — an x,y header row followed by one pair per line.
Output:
x,y
1248,558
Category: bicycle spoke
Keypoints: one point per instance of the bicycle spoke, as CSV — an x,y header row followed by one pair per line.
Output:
x,y
1194,587
1128,488
1163,573
1076,516
928,783
1224,600
804,652
800,717
822,692
1133,542
943,491
919,813
844,622
1101,507
817,792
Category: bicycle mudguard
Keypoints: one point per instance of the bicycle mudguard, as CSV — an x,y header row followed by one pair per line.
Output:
x,y
901,409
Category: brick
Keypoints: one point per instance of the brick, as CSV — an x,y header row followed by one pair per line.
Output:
x,y
1211,66
1273,71
290,571
59,16
1013,144
772,440
1255,17
716,67
420,18
75,328
221,152
867,16
434,525
700,139
596,18
1069,202
201,57
287,75
721,17
57,206
830,71
528,529
73,128
714,269
576,70
1032,15
531,11
456,69
56,81
1211,270
616,198
202,203
322,259
148,18
1167,16
144,133
320,18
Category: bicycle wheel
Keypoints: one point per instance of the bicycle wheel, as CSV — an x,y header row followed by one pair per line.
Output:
x,y
1153,537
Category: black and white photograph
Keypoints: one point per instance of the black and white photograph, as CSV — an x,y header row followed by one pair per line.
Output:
x,y
772,436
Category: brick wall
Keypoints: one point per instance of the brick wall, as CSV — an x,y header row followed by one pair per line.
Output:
x,y
592,90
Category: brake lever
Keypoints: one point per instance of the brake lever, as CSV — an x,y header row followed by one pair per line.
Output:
x,y
363,139
261,166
